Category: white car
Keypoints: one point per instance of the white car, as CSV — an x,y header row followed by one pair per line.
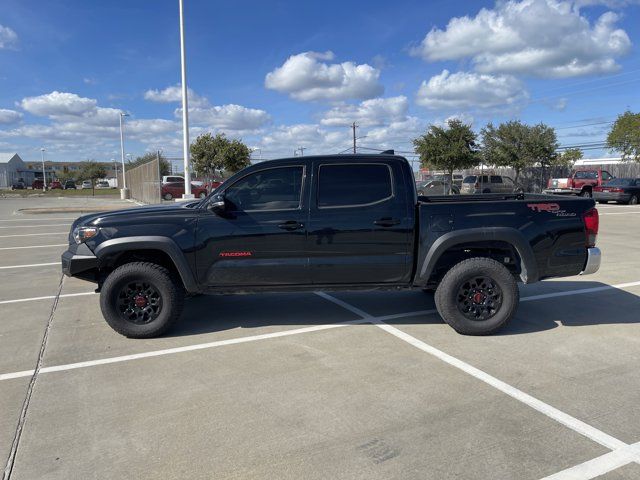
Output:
x,y
102,184
86,184
178,178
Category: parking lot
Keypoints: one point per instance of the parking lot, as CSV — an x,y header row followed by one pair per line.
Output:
x,y
366,385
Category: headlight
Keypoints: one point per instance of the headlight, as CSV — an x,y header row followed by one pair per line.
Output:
x,y
82,234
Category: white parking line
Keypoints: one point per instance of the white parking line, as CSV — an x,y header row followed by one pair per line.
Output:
x,y
37,226
600,465
36,219
622,453
35,246
47,297
201,346
34,234
29,266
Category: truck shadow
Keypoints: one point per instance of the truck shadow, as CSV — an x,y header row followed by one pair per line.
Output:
x,y
600,304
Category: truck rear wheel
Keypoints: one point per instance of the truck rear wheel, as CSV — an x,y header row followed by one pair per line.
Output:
x,y
478,296
141,300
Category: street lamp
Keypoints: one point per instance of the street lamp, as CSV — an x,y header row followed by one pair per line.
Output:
x,y
44,177
124,193
185,110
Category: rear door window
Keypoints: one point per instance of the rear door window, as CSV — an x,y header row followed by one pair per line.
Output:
x,y
496,179
352,185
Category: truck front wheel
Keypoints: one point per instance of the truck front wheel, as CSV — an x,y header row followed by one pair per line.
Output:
x,y
141,300
478,296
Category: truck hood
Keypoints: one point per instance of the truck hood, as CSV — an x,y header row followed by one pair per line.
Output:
x,y
98,218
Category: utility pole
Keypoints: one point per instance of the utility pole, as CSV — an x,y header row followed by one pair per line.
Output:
x,y
302,149
44,177
124,193
354,126
185,110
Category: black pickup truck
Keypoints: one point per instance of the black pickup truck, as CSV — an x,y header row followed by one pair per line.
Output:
x,y
331,223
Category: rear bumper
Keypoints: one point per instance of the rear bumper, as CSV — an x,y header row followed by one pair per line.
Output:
x,y
561,191
79,261
592,265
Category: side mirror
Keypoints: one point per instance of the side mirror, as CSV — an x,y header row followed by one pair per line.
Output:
x,y
217,204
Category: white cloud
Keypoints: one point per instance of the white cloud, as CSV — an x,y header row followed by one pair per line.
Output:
x,y
173,94
9,116
225,117
546,38
306,77
228,117
376,111
58,103
468,90
8,38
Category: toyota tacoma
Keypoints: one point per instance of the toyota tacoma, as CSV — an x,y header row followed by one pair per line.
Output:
x,y
331,223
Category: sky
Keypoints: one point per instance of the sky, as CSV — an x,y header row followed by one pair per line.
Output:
x,y
281,75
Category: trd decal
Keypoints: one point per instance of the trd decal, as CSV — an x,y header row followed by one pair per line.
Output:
x,y
236,254
544,207
553,208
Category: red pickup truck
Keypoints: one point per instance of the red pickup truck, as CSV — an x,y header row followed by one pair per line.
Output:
x,y
580,182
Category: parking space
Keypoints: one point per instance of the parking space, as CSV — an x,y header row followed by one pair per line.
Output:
x,y
346,385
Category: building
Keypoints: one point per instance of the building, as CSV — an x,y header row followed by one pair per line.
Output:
x,y
12,169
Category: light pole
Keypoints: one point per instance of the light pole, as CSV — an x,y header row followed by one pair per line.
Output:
x,y
44,177
124,193
185,111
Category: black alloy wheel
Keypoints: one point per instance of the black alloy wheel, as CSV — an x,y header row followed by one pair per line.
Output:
x,y
479,298
139,302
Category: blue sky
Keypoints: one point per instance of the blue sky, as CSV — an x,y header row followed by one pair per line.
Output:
x,y
282,75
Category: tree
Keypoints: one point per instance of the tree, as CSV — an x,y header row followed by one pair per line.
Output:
x,y
568,157
448,148
237,156
624,136
517,145
505,146
165,167
210,153
91,170
207,153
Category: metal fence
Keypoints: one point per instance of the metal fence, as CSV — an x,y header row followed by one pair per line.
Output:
x,y
144,182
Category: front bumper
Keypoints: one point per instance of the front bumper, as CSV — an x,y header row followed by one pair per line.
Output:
x,y
611,196
79,261
592,264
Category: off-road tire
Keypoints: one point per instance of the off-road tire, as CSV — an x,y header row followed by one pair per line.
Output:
x,y
446,296
170,290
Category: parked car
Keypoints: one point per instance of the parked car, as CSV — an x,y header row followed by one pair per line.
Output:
x,y
37,184
69,185
173,190
580,182
473,184
55,184
337,222
436,187
18,185
621,190
102,184
180,178
86,184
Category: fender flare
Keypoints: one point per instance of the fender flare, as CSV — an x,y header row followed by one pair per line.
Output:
x,y
528,267
164,244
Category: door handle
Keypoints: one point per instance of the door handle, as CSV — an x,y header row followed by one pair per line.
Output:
x,y
387,222
291,225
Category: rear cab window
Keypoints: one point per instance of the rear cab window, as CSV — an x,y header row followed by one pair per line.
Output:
x,y
353,185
